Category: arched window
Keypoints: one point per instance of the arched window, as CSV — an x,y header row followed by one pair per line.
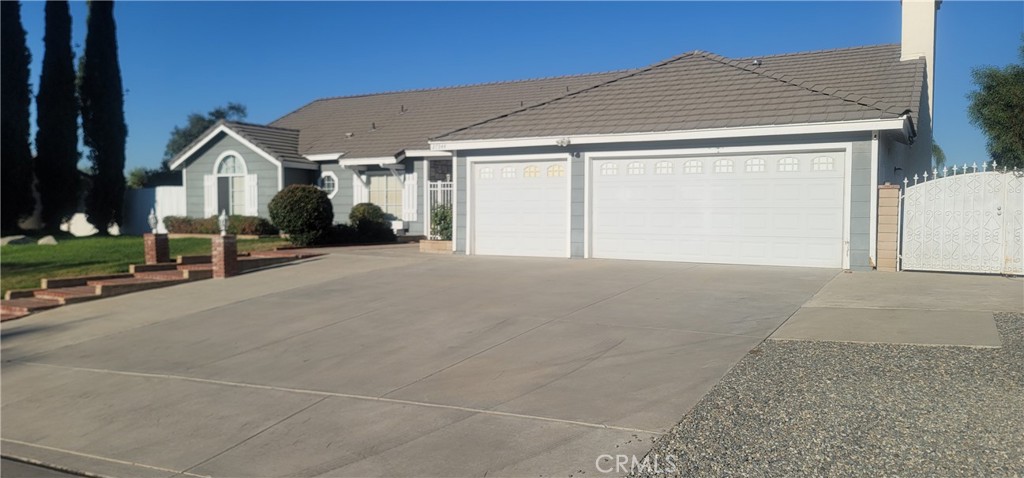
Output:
x,y
693,166
508,172
788,165
531,172
663,167
230,187
755,165
486,173
723,166
556,171
823,163
609,169
635,168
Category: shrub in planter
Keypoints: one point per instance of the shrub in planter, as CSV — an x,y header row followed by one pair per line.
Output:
x,y
247,225
371,223
304,212
250,225
441,221
342,234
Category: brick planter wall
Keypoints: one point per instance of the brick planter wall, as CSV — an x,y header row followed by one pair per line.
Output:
x,y
224,256
158,248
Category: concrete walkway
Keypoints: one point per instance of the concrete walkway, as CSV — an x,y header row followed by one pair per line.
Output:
x,y
907,308
386,362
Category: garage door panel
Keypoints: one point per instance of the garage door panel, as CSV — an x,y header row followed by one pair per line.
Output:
x,y
758,216
514,214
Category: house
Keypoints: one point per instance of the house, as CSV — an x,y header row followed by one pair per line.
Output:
x,y
770,160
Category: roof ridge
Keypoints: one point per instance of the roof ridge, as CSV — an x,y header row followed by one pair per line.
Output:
x,y
827,50
246,123
630,74
451,87
843,95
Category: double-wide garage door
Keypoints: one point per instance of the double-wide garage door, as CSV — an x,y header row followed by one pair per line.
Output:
x,y
773,209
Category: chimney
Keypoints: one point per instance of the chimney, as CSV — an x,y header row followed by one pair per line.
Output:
x,y
918,38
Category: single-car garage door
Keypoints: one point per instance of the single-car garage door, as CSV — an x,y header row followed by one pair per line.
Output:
x,y
521,208
771,209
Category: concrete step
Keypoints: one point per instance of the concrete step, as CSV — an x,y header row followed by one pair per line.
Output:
x,y
112,287
69,295
27,305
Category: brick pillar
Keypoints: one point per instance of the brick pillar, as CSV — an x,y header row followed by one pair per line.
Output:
x,y
888,226
158,249
224,256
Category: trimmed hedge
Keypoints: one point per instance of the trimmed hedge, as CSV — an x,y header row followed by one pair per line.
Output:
x,y
246,225
304,212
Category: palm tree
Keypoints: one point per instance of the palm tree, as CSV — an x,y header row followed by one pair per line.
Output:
x,y
938,156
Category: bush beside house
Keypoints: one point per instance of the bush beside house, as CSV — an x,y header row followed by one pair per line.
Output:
x,y
304,212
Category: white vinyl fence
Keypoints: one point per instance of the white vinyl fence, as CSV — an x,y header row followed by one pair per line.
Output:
x,y
166,200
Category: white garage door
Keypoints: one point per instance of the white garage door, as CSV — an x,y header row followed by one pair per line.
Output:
x,y
773,209
521,209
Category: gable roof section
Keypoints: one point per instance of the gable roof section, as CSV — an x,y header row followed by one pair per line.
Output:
x,y
700,90
385,124
279,145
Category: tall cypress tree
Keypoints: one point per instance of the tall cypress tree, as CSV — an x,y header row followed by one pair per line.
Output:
x,y
16,199
102,97
57,117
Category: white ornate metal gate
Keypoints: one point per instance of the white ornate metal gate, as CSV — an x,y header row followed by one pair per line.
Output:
x,y
966,222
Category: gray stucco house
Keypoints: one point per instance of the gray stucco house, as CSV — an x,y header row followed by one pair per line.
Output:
x,y
773,159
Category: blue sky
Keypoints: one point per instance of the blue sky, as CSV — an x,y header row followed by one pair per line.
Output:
x,y
183,57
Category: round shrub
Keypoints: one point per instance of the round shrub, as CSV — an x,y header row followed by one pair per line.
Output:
x,y
367,212
304,212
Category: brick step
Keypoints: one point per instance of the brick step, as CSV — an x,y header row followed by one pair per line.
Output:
x,y
77,281
195,267
27,305
69,295
194,259
112,287
162,266
188,274
20,293
4,316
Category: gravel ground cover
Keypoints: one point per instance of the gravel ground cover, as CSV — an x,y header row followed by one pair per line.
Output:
x,y
850,410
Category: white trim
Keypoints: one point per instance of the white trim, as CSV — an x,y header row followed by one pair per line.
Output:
x,y
337,183
873,214
228,131
455,203
677,153
900,123
225,154
422,153
324,156
470,190
568,203
378,161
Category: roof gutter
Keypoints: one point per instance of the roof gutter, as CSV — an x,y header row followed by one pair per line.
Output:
x,y
902,124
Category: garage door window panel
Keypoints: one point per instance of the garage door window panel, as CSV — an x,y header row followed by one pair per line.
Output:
x,y
723,166
693,166
789,165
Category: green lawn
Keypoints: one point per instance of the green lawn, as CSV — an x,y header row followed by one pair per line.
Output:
x,y
22,266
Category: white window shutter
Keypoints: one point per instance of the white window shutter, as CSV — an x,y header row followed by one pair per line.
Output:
x,y
209,195
360,193
252,203
409,198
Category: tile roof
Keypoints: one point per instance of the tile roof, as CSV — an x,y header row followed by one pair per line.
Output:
x,y
281,143
700,90
385,124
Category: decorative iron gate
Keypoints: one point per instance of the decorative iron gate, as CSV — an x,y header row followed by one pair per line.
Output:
x,y
964,221
439,193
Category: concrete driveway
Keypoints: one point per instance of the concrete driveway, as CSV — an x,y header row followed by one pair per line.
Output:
x,y
386,362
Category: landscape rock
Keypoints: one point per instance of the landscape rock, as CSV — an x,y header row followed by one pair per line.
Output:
x,y
19,239
47,241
